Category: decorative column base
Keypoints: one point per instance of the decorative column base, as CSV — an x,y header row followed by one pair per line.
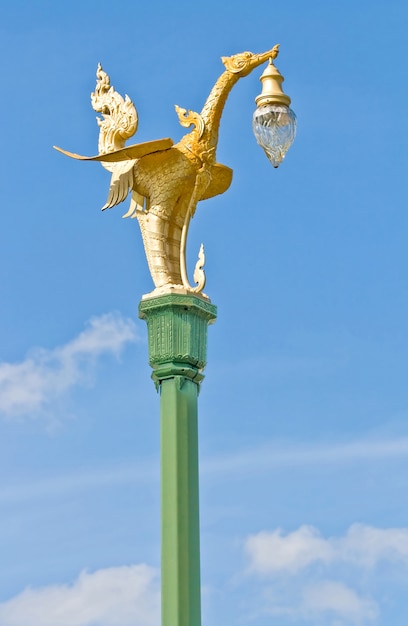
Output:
x,y
177,331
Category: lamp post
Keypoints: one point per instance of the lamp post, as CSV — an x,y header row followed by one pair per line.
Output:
x,y
166,182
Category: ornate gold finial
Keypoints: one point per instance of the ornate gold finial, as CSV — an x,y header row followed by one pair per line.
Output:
x,y
167,181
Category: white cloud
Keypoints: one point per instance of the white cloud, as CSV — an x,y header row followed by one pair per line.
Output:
x,y
363,546
271,552
117,596
366,545
295,568
329,597
29,387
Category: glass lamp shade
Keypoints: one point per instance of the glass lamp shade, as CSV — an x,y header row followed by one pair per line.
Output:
x,y
274,127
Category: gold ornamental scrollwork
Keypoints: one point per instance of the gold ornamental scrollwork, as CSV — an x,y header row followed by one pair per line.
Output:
x,y
119,116
190,118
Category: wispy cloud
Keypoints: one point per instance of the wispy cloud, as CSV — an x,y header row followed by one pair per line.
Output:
x,y
327,602
338,600
305,575
29,387
229,466
116,596
144,471
276,455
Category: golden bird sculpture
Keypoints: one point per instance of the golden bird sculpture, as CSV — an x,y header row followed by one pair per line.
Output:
x,y
166,180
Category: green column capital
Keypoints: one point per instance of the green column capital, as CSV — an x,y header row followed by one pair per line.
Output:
x,y
177,334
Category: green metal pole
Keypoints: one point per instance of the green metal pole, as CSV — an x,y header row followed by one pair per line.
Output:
x,y
177,332
180,505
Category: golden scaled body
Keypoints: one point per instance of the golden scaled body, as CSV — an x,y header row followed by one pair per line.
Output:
x,y
167,180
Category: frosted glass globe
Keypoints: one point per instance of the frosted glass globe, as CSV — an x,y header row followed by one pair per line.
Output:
x,y
274,127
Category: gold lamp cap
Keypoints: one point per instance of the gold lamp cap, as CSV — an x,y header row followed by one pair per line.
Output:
x,y
272,92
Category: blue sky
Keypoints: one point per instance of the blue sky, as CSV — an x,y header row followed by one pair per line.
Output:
x,y
304,409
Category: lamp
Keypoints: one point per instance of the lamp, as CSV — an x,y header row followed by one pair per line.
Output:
x,y
274,122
